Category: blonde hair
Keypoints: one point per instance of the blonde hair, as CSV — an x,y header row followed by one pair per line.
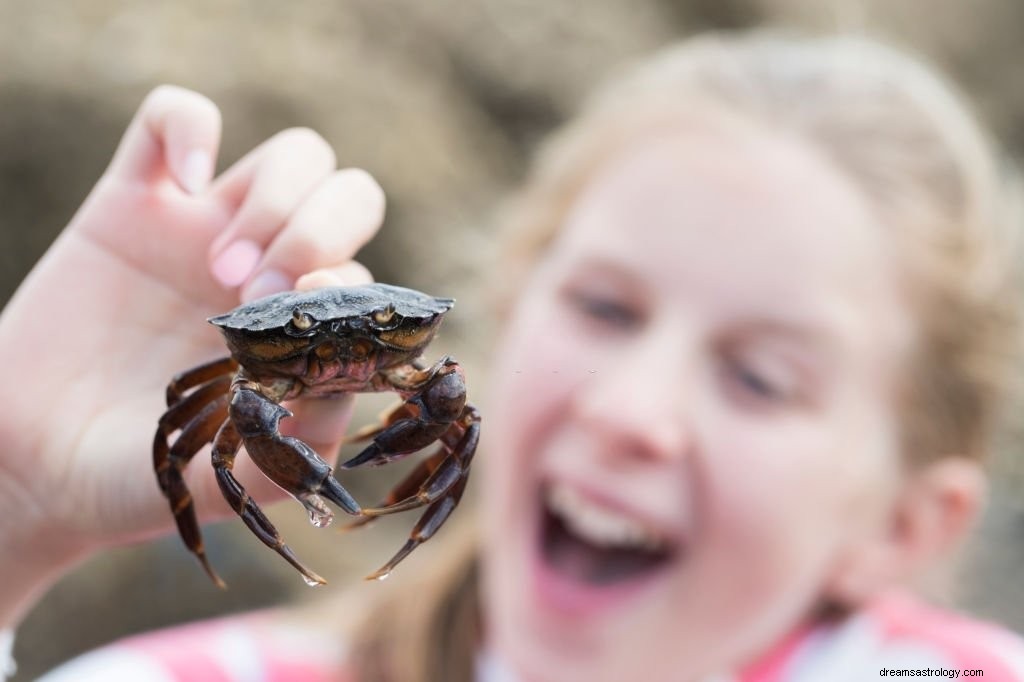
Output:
x,y
902,135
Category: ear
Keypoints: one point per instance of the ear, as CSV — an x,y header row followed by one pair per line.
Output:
x,y
932,513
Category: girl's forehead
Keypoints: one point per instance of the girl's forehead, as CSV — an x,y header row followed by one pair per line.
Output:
x,y
765,209
743,225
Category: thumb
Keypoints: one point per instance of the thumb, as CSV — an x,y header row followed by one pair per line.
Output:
x,y
175,133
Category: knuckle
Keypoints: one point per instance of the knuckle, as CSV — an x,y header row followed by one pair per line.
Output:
x,y
165,94
307,141
161,93
303,249
276,206
165,100
359,186
204,105
361,198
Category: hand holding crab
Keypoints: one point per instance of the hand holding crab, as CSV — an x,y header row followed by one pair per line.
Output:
x,y
160,240
321,343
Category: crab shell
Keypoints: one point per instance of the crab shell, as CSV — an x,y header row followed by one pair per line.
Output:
x,y
335,304
399,322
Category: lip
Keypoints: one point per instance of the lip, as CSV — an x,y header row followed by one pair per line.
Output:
x,y
563,596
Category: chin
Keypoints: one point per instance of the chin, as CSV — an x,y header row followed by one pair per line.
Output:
x,y
575,588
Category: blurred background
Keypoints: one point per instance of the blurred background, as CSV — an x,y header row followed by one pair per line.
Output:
x,y
443,102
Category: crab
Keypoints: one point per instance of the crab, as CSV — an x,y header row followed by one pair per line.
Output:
x,y
321,343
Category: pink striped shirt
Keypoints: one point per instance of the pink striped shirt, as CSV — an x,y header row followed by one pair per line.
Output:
x,y
895,636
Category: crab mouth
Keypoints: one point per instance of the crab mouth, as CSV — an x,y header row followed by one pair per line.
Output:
x,y
595,545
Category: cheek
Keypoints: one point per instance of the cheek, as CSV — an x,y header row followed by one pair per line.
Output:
x,y
776,497
538,365
764,502
527,392
792,499
812,466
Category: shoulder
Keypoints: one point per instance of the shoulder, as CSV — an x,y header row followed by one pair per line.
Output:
x,y
267,645
899,633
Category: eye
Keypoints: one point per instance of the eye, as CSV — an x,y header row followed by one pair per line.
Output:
x,y
606,310
301,321
754,386
754,383
384,316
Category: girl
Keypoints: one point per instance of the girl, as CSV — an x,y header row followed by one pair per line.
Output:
x,y
764,328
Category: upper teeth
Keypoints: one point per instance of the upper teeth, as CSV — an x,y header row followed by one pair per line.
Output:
x,y
597,524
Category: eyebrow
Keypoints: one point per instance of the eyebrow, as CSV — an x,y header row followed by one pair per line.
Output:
x,y
603,265
815,343
787,328
790,328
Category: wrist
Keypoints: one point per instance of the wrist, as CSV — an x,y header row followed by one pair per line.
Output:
x,y
34,554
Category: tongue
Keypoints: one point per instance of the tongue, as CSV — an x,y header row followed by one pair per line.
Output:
x,y
575,557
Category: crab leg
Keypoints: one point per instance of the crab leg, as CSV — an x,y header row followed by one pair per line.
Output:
x,y
395,413
410,485
436,411
198,416
439,401
429,523
288,462
225,447
442,472
407,487
182,382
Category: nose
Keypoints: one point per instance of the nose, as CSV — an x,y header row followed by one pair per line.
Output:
x,y
640,403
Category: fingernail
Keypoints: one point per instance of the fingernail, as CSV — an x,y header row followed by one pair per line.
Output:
x,y
266,283
236,262
196,171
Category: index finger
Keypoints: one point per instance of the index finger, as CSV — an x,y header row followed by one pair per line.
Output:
x,y
175,132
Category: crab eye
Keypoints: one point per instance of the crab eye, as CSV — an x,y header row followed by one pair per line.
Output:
x,y
384,316
301,320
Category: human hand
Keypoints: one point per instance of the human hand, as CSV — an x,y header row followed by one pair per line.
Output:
x,y
118,304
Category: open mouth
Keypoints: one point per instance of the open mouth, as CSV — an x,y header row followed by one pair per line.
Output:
x,y
596,545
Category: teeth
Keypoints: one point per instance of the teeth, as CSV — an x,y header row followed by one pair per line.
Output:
x,y
599,525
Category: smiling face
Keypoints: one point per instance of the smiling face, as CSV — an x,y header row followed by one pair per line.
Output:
x,y
697,432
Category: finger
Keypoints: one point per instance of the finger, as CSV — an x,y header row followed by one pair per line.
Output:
x,y
235,184
351,273
268,185
176,133
331,225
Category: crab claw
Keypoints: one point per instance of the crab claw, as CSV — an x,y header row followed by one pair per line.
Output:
x,y
400,439
370,452
255,415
